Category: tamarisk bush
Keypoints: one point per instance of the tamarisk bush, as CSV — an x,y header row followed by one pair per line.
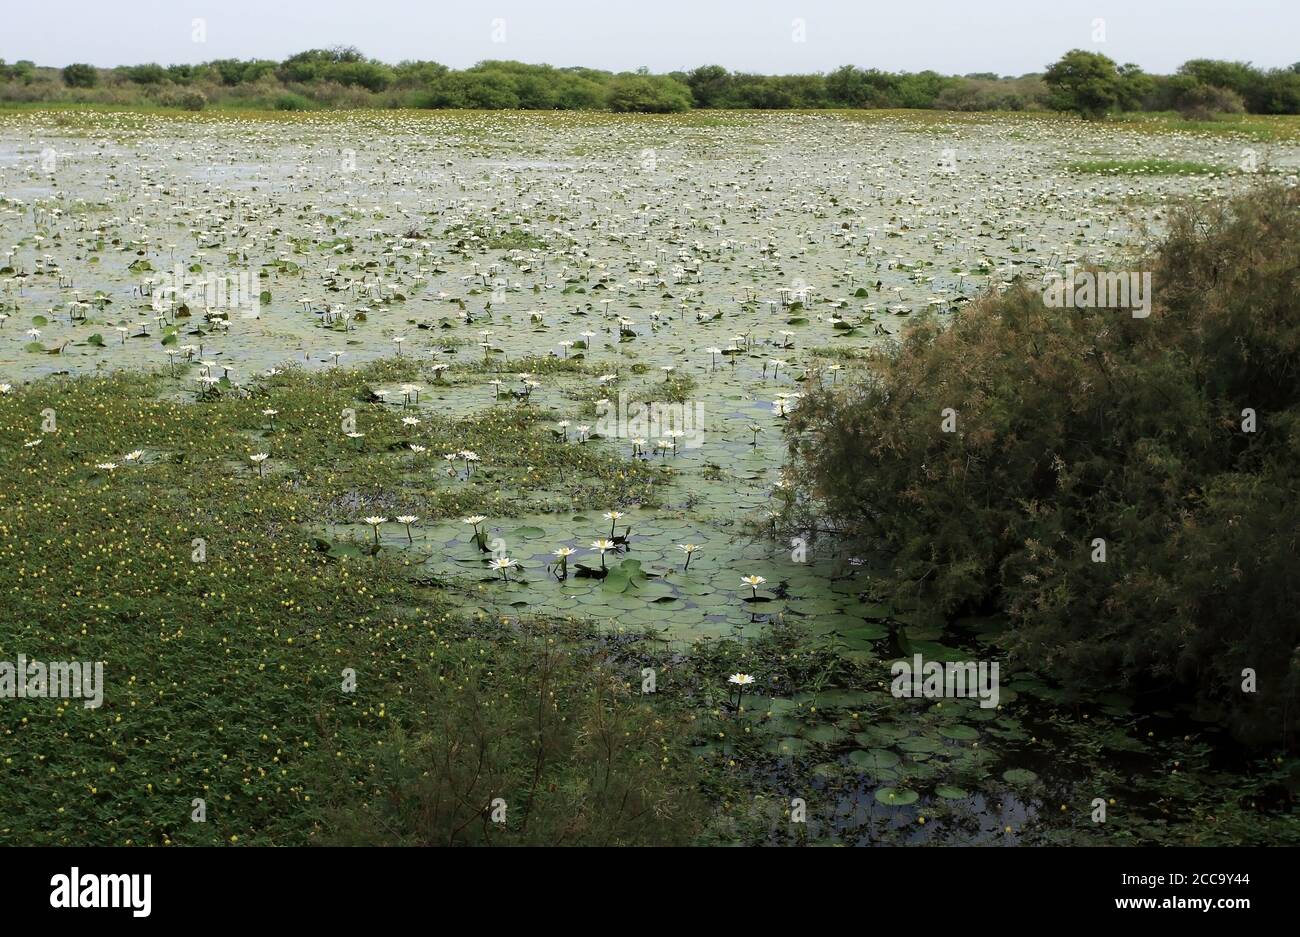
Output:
x,y
1125,490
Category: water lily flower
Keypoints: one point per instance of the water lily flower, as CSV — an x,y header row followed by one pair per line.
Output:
x,y
753,582
374,522
562,555
407,520
474,520
259,459
612,517
503,563
739,681
602,545
689,549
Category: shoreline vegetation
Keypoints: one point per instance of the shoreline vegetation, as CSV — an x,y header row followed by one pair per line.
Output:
x,y
1086,83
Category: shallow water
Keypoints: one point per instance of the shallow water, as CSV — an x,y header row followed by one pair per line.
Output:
x,y
754,233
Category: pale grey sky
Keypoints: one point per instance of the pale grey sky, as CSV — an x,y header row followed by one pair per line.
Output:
x,y
949,36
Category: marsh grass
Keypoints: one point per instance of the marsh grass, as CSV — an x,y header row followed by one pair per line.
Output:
x,y
223,672
1149,167
1262,127
529,720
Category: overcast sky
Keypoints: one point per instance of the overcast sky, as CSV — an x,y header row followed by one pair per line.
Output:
x,y
1009,37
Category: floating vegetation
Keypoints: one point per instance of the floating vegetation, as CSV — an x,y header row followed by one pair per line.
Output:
x,y
450,400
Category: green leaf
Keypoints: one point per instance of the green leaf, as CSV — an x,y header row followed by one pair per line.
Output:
x,y
894,797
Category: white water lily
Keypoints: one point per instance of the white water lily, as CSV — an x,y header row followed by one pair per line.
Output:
x,y
374,522
407,520
740,681
602,546
562,555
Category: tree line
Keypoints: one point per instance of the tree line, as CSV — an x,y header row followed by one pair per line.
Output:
x,y
1085,82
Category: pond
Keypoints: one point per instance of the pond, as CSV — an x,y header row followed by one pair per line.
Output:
x,y
681,284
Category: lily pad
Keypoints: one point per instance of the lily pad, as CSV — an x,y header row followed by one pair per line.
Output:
x,y
895,797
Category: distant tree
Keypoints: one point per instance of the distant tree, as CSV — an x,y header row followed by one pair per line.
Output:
x,y
233,72
150,74
1198,101
709,85
417,74
1084,82
1278,93
647,94
80,75
1240,77
1135,87
373,76
312,64
920,89
22,70
182,74
849,86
